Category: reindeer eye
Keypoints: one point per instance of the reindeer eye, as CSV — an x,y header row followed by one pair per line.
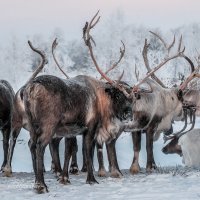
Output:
x,y
172,98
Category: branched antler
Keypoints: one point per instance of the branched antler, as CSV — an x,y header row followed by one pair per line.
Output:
x,y
168,47
122,52
146,62
176,55
87,39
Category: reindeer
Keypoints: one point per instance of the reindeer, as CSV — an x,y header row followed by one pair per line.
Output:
x,y
154,112
186,146
115,172
19,117
191,97
6,112
79,105
19,120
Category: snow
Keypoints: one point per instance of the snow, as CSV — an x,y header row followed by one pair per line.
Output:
x,y
171,184
170,180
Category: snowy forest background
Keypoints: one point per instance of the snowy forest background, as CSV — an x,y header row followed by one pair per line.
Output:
x,y
17,60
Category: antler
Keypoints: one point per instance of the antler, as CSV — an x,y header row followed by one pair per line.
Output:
x,y
54,45
137,73
169,47
87,39
122,52
193,75
179,53
146,62
192,109
43,62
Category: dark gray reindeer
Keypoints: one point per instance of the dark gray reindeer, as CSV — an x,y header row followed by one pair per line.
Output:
x,y
115,172
153,113
6,112
19,120
19,117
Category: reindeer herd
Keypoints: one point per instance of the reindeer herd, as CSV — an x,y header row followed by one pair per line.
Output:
x,y
51,108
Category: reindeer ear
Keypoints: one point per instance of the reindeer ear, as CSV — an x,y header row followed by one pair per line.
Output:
x,y
180,95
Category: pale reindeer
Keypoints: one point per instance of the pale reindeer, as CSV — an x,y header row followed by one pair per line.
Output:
x,y
154,113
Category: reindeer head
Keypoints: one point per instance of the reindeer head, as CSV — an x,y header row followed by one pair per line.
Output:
x,y
172,147
122,106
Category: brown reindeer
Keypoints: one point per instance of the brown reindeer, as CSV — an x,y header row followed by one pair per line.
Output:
x,y
79,105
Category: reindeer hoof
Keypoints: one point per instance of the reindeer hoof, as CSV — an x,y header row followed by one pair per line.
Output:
x,y
135,169
102,173
52,167
92,182
40,188
150,169
84,169
74,170
116,174
7,171
64,180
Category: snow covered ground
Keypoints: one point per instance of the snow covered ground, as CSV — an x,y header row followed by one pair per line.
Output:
x,y
167,184
170,181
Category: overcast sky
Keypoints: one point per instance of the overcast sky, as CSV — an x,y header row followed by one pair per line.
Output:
x,y
24,17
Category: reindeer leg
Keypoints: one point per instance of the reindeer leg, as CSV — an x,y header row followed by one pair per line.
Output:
x,y
32,147
114,168
101,171
136,137
74,165
54,150
89,144
6,136
84,167
40,185
14,135
64,177
149,148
